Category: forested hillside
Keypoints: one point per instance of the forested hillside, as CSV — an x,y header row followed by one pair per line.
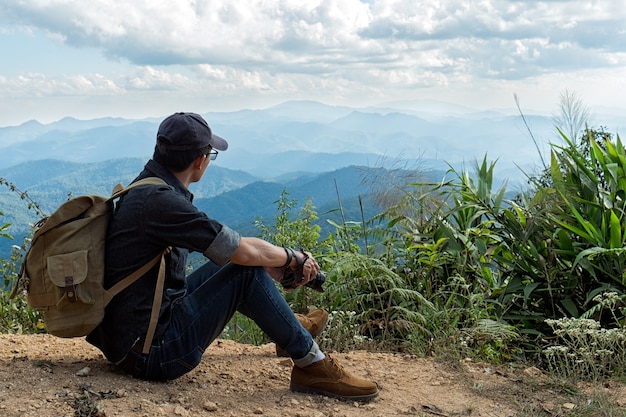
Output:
x,y
234,197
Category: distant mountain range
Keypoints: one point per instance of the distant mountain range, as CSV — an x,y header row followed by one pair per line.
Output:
x,y
261,139
233,197
307,148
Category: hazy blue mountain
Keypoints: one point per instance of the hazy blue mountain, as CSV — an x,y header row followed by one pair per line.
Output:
x,y
67,141
258,199
304,146
328,191
50,182
63,177
270,142
290,163
233,197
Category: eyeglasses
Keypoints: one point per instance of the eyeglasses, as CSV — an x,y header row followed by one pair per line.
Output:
x,y
212,154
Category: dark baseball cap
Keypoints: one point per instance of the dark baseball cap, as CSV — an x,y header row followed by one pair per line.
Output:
x,y
187,132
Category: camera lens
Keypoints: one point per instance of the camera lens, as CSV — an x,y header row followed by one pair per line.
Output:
x,y
316,283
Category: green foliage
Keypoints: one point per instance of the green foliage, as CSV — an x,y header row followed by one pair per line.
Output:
x,y
490,340
386,308
547,229
342,333
4,228
31,204
243,330
589,183
476,256
299,232
17,317
445,240
15,314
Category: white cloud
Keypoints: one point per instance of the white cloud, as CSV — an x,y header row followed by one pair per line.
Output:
x,y
149,78
362,51
41,85
269,34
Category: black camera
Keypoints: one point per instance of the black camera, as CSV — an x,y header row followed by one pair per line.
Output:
x,y
289,282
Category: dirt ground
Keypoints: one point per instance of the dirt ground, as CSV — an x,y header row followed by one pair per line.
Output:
x,y
41,375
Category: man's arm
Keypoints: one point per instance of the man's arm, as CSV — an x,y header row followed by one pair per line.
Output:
x,y
257,252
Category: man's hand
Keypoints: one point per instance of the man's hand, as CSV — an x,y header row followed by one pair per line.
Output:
x,y
300,267
305,268
302,271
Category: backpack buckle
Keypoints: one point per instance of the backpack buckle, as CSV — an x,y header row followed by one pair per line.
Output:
x,y
70,289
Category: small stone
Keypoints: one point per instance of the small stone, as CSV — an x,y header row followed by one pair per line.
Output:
x,y
181,411
569,406
533,372
84,372
258,411
62,393
209,406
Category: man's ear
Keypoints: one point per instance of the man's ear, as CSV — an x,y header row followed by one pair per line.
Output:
x,y
197,163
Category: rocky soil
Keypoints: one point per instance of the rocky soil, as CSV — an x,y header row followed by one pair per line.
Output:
x,y
42,376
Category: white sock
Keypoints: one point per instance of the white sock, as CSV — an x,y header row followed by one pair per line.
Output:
x,y
314,355
319,356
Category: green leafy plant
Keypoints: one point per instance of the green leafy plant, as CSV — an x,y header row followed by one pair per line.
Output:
x,y
243,330
590,181
385,308
4,229
16,316
343,333
300,232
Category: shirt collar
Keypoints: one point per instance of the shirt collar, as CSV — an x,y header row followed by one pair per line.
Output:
x,y
153,168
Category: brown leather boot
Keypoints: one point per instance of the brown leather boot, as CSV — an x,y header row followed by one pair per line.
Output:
x,y
327,377
314,323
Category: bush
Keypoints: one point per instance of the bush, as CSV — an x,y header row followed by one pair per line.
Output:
x,y
16,316
584,349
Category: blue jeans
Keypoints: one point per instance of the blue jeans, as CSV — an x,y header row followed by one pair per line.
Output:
x,y
213,296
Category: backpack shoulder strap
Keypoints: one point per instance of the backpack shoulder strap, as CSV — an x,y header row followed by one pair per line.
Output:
x,y
158,293
156,307
103,205
126,282
119,190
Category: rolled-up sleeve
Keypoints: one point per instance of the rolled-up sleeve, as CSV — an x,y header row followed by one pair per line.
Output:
x,y
223,246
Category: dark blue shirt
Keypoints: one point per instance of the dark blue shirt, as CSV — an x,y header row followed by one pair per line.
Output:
x,y
145,221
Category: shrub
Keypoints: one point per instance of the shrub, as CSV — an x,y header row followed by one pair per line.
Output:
x,y
16,316
584,349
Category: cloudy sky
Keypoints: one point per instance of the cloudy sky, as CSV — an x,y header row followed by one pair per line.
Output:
x,y
148,58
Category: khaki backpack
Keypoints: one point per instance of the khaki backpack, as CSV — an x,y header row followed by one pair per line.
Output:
x,y
63,270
